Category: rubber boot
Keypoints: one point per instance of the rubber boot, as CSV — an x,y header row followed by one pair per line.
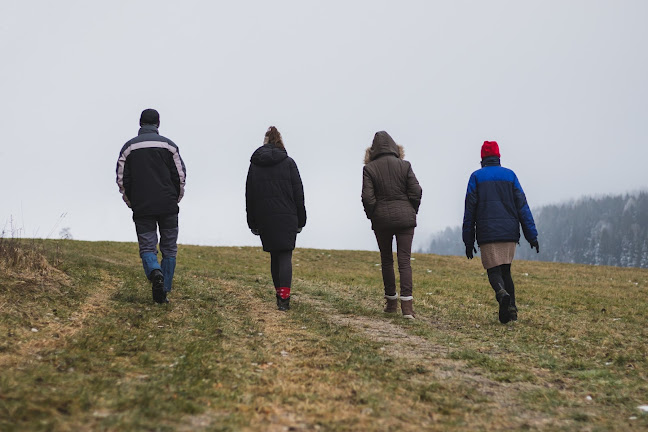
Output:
x,y
150,263
168,269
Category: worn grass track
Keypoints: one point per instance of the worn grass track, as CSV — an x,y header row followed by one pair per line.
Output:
x,y
221,357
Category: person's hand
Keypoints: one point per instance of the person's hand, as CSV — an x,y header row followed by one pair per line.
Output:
x,y
534,244
469,251
255,231
299,230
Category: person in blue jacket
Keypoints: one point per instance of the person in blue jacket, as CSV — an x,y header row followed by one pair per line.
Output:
x,y
495,208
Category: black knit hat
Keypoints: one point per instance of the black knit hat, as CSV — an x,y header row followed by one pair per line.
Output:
x,y
150,116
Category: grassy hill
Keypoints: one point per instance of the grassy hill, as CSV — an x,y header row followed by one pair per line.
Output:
x,y
83,347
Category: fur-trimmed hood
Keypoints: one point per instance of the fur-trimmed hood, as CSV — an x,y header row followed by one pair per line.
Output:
x,y
383,144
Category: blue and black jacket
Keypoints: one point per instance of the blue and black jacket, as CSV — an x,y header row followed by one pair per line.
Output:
x,y
496,206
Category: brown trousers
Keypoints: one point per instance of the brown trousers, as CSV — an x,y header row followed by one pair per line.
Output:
x,y
404,239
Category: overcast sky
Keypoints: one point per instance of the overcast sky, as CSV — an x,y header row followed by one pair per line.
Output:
x,y
561,85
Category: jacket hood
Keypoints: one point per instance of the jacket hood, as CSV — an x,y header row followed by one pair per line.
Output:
x,y
268,155
383,144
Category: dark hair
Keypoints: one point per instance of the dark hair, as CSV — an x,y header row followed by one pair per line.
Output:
x,y
274,137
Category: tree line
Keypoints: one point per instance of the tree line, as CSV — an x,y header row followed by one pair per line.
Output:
x,y
606,230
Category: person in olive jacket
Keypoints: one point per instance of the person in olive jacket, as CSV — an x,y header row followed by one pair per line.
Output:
x,y
274,197
391,196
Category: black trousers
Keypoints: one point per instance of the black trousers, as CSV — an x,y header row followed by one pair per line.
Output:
x,y
281,268
500,278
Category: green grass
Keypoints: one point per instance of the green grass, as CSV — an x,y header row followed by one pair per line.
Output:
x,y
221,357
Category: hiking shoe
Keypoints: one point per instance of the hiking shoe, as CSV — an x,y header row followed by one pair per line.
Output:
x,y
283,304
512,312
157,280
504,300
408,309
391,305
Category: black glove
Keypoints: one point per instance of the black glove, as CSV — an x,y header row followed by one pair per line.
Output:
x,y
534,244
469,251
255,231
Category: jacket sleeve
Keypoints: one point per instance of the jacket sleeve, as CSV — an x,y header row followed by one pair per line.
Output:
x,y
249,199
124,178
368,194
470,216
414,190
524,212
178,170
298,194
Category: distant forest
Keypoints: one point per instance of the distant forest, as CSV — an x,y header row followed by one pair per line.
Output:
x,y
608,230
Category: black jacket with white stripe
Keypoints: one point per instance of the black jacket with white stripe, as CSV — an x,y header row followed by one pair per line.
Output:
x,y
151,174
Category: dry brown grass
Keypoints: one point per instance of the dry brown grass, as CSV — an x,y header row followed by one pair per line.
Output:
x,y
52,331
221,357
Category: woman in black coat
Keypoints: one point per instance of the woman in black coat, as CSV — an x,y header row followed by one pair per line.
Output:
x,y
274,197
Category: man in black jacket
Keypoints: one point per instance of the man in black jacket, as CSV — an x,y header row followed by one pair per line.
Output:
x,y
151,178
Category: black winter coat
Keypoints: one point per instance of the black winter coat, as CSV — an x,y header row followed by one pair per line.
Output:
x,y
274,197
391,194
151,174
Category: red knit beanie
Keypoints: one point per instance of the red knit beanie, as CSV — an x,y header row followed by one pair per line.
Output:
x,y
490,148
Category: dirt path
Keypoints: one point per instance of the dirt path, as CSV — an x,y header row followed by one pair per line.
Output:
x,y
282,340
402,346
294,368
53,332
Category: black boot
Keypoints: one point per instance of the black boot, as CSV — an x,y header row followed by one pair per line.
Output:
x,y
513,312
510,289
504,300
501,294
283,304
157,280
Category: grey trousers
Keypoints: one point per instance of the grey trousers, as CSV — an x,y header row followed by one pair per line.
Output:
x,y
146,228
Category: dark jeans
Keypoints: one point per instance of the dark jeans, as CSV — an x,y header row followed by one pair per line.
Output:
x,y
146,228
500,278
281,268
403,252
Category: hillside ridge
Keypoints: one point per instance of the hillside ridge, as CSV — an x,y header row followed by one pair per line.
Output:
x,y
221,357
